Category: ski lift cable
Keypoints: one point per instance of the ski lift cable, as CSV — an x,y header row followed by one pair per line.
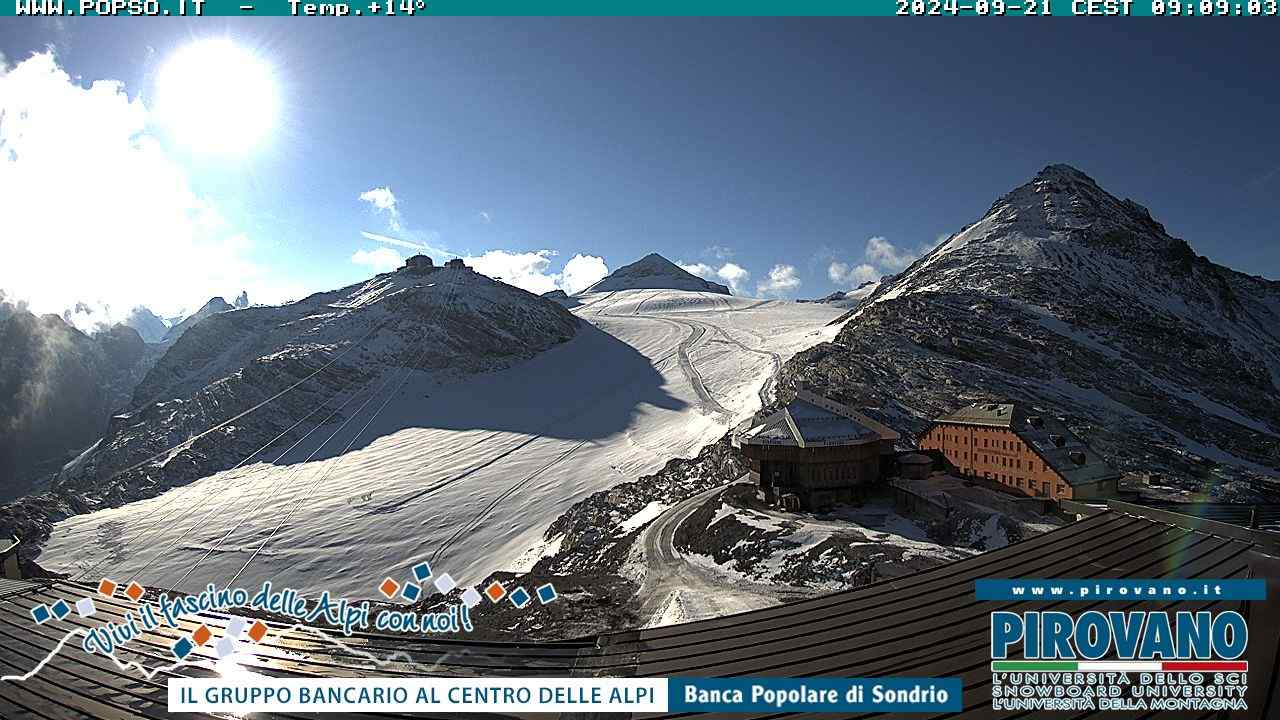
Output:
x,y
173,496
159,521
293,472
161,551
404,376
478,517
320,477
244,413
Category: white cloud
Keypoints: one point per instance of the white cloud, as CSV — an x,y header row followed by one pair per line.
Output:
x,y
735,275
581,272
96,211
382,259
842,274
880,257
383,200
702,270
885,254
782,280
526,270
529,270
732,274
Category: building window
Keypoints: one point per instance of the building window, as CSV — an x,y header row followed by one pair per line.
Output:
x,y
1061,489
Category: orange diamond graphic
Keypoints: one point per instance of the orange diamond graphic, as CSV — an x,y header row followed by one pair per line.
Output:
x,y
201,635
389,588
258,631
495,591
134,591
107,588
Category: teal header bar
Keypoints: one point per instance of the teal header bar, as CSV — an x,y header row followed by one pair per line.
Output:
x,y
917,9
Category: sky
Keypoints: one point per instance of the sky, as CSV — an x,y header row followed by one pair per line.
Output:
x,y
782,157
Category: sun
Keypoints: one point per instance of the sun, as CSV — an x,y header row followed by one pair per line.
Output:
x,y
217,97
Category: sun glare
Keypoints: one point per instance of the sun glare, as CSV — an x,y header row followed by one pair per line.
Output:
x,y
216,96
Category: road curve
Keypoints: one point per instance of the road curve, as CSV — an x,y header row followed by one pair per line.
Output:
x,y
672,578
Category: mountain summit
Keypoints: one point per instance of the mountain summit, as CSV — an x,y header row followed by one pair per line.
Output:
x,y
1066,297
253,382
654,272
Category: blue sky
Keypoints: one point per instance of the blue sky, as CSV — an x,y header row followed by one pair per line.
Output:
x,y
757,142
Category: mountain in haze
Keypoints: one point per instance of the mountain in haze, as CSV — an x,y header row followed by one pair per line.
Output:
x,y
149,326
654,272
58,387
214,306
294,361
1080,303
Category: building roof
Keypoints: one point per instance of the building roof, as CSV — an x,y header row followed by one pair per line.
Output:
x,y
992,414
1048,436
811,420
418,259
925,624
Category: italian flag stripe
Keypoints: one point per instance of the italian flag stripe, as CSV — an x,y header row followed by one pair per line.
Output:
x,y
1117,666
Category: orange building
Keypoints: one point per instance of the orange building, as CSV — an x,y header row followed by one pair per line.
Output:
x,y
1032,453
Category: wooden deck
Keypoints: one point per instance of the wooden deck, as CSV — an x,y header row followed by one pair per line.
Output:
x,y
927,624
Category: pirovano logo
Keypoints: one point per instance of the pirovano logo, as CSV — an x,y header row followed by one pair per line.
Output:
x,y
1122,660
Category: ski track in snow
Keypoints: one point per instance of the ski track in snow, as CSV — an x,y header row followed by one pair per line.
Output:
x,y
470,472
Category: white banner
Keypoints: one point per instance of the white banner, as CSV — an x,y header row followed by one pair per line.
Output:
x,y
258,693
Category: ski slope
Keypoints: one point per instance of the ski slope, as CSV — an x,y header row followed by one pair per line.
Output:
x,y
466,474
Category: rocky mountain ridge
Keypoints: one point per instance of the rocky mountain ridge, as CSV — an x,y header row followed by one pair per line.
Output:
x,y
58,387
291,359
1069,298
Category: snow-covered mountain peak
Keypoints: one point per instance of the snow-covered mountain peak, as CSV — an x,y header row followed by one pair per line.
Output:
x,y
654,272
1061,197
1056,236
1066,296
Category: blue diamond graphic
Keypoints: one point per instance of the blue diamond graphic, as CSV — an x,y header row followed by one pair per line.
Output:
x,y
546,593
40,614
520,597
411,592
60,609
422,572
182,648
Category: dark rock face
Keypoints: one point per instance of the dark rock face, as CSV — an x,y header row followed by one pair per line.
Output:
x,y
1068,298
58,387
587,549
654,272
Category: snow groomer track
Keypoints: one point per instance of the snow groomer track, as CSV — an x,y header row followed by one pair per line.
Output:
x,y
927,624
